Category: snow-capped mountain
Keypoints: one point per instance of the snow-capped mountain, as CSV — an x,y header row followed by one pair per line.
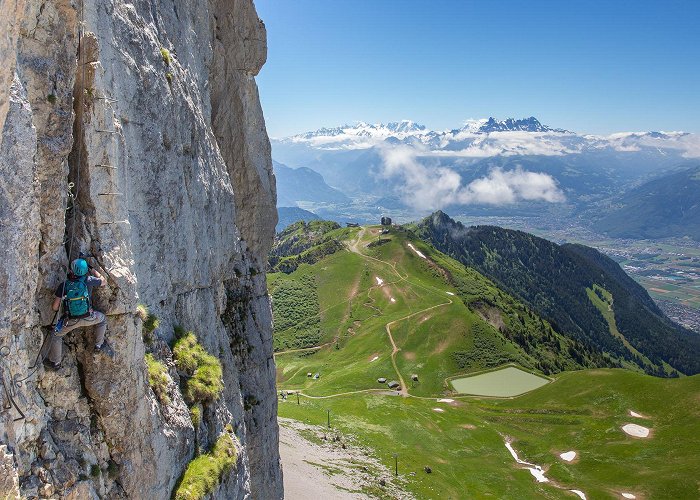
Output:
x,y
486,162
485,126
490,137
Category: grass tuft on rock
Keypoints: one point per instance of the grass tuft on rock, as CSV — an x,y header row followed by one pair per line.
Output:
x,y
196,415
204,473
203,370
158,378
165,54
150,323
142,311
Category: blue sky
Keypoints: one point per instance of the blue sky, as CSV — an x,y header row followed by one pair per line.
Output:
x,y
594,67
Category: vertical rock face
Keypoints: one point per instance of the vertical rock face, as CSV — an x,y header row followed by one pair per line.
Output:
x,y
143,143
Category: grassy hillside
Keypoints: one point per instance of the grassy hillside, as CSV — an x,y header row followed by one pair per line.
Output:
x,y
397,307
305,242
445,319
553,280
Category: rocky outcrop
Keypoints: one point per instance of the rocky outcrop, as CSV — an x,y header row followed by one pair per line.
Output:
x,y
133,131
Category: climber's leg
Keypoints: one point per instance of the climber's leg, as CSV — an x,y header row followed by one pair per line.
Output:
x,y
55,349
100,327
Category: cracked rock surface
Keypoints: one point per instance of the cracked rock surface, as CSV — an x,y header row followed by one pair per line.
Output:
x,y
132,131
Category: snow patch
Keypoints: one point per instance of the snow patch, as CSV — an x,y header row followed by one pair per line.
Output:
x,y
449,293
380,281
629,495
439,410
535,470
636,415
418,252
393,299
568,456
445,400
539,475
636,430
374,359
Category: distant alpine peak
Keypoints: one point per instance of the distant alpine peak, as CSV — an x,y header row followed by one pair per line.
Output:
x,y
364,129
485,126
405,126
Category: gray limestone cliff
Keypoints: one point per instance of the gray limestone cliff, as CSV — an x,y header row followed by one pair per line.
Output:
x,y
132,131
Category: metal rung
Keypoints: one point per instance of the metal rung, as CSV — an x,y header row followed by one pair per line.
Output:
x,y
116,222
110,194
106,131
90,62
105,166
106,98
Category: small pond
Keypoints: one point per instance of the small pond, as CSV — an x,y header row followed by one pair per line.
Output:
x,y
506,382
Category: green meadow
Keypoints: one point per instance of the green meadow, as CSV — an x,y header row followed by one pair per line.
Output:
x,y
378,309
579,411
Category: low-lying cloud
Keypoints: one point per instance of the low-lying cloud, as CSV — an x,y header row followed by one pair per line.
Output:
x,y
433,188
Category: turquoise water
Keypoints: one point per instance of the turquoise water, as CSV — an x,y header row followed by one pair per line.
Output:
x,y
505,382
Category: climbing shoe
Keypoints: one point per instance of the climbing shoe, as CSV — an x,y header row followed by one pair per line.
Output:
x,y
50,365
104,349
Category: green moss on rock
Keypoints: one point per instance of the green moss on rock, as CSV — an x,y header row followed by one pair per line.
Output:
x,y
158,378
203,372
205,473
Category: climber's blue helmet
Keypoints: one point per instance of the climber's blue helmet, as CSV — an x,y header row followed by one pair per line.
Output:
x,y
79,267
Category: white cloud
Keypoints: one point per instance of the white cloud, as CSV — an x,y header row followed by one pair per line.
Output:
x,y
435,187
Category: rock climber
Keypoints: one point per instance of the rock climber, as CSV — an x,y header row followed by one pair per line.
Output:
x,y
75,296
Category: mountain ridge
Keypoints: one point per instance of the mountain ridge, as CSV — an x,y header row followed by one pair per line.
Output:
x,y
665,206
553,280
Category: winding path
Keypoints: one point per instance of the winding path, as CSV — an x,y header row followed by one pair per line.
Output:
x,y
354,247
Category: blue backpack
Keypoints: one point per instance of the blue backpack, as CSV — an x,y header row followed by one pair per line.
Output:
x,y
77,297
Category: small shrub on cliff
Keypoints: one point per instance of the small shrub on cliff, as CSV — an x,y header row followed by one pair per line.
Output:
x,y
203,371
149,323
165,54
158,378
142,311
196,415
205,472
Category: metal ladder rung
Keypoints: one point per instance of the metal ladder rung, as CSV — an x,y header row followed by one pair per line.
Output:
x,y
126,221
105,166
110,194
109,99
106,131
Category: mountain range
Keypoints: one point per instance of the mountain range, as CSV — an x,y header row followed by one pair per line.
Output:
x,y
490,137
518,167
